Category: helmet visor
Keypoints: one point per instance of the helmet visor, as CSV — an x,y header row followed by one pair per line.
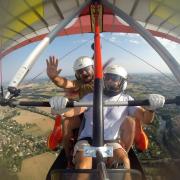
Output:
x,y
83,70
112,77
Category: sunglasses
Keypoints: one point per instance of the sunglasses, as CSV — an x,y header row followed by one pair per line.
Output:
x,y
86,69
112,77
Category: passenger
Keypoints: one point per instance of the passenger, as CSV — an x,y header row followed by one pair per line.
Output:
x,y
75,89
116,118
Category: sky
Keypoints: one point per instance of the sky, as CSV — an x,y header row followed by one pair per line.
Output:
x,y
66,50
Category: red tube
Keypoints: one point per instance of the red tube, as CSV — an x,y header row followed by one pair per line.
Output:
x,y
97,48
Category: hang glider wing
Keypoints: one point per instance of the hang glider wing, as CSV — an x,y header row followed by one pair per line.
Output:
x,y
26,21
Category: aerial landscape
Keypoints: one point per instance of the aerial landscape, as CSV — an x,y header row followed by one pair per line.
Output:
x,y
45,38
24,131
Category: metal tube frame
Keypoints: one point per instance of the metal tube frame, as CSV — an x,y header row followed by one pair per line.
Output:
x,y
156,45
24,69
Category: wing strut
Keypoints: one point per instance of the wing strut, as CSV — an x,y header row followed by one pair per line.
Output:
x,y
24,69
156,45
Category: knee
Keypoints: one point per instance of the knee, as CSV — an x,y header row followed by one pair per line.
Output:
x,y
82,162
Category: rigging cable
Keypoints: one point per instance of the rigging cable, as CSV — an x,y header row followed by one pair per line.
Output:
x,y
1,74
141,59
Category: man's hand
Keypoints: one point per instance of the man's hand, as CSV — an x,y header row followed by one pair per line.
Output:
x,y
156,101
58,103
52,67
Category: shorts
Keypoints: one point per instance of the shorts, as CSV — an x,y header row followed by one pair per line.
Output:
x,y
79,146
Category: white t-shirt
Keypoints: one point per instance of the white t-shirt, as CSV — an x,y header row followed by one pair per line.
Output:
x,y
113,116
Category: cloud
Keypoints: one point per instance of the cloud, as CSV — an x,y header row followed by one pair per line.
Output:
x,y
134,41
119,34
167,43
133,35
112,39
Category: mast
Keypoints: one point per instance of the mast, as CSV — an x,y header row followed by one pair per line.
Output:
x,y
98,123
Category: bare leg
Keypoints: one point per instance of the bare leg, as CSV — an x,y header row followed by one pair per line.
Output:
x,y
68,126
121,155
82,162
127,132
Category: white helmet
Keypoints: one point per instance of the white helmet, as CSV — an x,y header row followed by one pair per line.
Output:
x,y
122,73
116,69
82,62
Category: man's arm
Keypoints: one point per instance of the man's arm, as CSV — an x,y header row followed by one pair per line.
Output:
x,y
64,83
53,74
74,111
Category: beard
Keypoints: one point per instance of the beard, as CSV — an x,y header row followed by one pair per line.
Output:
x,y
86,78
111,90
